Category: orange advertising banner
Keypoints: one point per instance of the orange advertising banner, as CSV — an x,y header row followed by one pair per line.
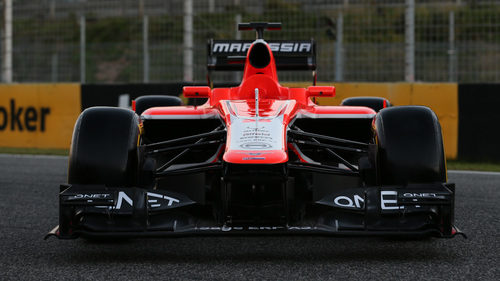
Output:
x,y
38,115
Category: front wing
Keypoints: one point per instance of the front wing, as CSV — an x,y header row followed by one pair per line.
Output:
x,y
100,211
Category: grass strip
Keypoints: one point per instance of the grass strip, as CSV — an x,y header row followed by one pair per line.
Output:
x,y
473,166
34,151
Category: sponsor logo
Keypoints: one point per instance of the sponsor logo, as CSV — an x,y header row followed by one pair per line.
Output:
x,y
256,145
122,196
356,202
231,47
223,228
90,196
254,158
420,195
155,201
282,47
18,118
253,228
388,200
253,153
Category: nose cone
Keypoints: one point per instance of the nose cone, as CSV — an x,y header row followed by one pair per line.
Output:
x,y
255,157
253,139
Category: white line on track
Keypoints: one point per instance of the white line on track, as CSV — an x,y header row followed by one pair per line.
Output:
x,y
473,173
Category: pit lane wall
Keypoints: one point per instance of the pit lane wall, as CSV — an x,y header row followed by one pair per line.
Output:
x,y
43,115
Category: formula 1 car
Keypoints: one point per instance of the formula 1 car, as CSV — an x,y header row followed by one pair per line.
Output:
x,y
257,158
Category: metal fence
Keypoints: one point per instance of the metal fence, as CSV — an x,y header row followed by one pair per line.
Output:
x,y
107,41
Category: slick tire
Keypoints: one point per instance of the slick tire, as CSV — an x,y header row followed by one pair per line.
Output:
x,y
104,147
145,102
375,103
409,146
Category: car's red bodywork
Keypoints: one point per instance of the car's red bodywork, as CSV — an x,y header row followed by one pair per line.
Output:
x,y
276,104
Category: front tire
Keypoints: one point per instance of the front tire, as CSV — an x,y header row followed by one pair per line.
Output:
x,y
409,146
104,147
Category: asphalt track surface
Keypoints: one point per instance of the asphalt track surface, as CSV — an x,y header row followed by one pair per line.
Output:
x,y
29,209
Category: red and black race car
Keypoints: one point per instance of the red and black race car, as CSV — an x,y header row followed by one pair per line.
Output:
x,y
257,158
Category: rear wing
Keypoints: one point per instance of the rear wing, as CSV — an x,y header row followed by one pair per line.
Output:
x,y
230,55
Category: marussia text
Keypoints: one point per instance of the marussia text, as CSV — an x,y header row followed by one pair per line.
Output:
x,y
288,47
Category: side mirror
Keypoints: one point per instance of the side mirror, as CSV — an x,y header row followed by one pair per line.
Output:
x,y
196,92
320,91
